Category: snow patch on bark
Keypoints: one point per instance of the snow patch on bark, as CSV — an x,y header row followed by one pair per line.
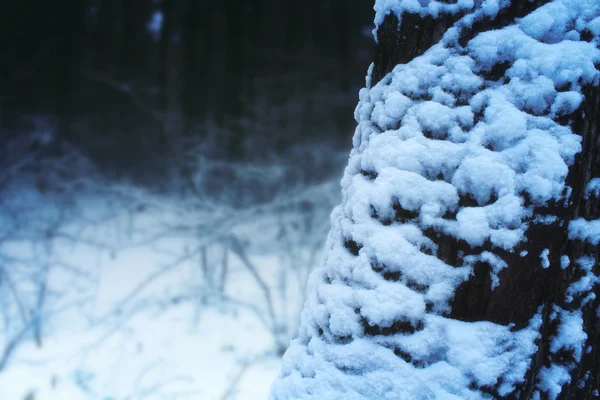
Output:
x,y
582,229
593,188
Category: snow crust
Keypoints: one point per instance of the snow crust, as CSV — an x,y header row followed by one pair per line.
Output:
x,y
564,262
593,188
570,336
585,283
585,230
544,258
445,150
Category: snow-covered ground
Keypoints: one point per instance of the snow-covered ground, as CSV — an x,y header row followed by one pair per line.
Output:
x,y
179,351
131,314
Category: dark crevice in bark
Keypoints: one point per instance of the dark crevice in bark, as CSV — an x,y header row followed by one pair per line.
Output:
x,y
352,246
351,371
398,327
403,355
496,73
370,175
393,276
402,215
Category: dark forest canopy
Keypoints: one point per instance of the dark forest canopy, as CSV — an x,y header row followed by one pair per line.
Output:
x,y
243,77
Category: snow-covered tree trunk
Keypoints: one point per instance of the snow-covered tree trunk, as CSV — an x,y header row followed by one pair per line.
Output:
x,y
463,262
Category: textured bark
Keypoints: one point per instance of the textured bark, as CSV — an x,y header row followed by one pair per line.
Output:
x,y
524,285
415,35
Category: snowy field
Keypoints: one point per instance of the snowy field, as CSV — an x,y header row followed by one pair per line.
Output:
x,y
129,296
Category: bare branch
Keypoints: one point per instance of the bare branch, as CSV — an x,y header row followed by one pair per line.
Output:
x,y
125,88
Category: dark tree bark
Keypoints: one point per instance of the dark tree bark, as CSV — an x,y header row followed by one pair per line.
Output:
x,y
524,285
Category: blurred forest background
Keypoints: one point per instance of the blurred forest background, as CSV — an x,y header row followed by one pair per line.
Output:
x,y
167,170
136,86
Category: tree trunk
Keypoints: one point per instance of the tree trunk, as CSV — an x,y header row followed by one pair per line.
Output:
x,y
463,262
